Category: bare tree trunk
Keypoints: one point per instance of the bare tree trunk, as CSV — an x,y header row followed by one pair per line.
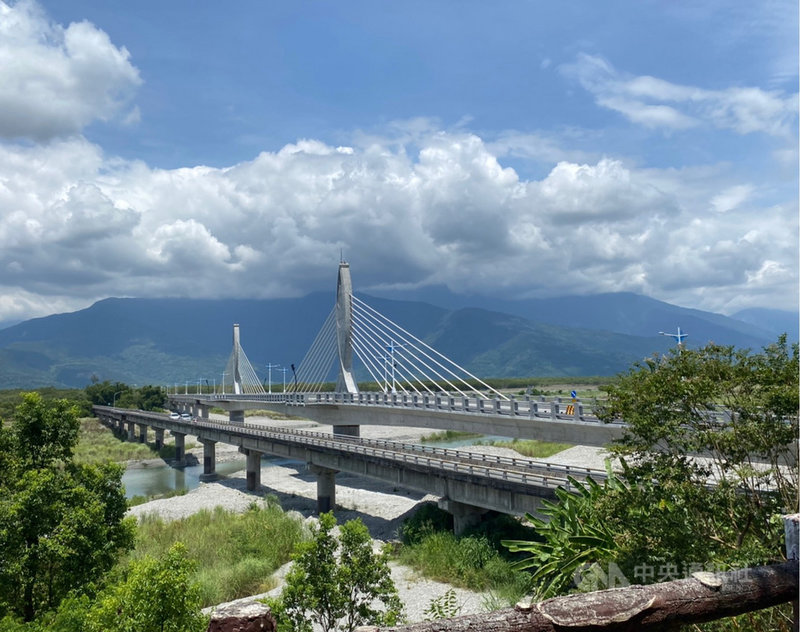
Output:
x,y
665,606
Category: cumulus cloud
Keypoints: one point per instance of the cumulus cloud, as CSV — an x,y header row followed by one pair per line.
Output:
x,y
656,103
448,212
57,80
417,206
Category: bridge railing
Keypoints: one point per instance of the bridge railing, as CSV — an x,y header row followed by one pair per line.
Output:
x,y
541,408
517,470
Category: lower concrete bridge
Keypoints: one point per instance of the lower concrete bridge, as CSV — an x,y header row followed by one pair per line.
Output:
x,y
468,483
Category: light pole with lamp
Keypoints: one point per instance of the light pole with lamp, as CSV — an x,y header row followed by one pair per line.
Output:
x,y
283,370
269,372
390,348
114,404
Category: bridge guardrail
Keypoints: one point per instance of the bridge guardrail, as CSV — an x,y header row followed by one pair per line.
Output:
x,y
552,476
526,408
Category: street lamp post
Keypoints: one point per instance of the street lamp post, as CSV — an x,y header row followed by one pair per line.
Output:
x,y
283,370
269,372
224,373
390,348
114,404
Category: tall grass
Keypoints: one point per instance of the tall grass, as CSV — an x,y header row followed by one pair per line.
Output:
x,y
448,435
468,562
97,442
475,561
236,553
532,448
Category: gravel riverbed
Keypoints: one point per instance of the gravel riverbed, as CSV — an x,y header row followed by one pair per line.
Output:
x,y
382,507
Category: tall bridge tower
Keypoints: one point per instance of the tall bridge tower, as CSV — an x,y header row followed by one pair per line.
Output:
x,y
346,382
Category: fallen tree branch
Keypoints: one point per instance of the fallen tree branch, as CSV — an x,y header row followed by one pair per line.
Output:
x,y
664,606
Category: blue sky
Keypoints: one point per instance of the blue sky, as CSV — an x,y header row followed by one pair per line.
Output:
x,y
512,148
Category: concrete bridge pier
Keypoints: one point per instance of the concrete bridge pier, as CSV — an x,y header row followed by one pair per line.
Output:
x,y
347,431
159,438
202,411
464,516
253,470
326,488
120,423
236,416
131,431
142,433
209,460
180,451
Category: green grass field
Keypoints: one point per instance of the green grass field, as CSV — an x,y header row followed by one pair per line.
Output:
x,y
236,553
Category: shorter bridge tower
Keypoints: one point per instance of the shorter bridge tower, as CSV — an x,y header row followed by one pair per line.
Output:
x,y
239,377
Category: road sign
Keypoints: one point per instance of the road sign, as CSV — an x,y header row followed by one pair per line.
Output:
x,y
573,394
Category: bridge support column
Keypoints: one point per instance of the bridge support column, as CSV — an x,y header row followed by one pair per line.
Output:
x,y
180,452
236,416
464,516
326,488
203,412
142,433
253,470
131,431
159,438
347,431
120,426
209,460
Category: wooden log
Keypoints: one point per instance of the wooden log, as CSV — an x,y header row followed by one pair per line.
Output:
x,y
664,606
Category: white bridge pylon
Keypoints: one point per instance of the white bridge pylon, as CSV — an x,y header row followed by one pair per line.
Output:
x,y
396,360
239,378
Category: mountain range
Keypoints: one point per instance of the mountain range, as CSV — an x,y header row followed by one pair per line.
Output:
x,y
179,341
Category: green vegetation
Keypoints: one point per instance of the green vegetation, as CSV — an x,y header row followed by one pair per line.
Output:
x,y
531,448
448,435
62,524
661,517
155,595
236,553
123,396
11,398
140,500
475,560
98,443
268,413
337,583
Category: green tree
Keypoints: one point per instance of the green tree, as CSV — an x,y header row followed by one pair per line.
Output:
x,y
710,437
150,398
156,595
62,525
337,591
103,393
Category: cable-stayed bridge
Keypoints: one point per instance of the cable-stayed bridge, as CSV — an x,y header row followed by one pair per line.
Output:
x,y
414,385
411,384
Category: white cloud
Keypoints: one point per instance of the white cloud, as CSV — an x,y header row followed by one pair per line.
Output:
x,y
654,102
449,213
57,80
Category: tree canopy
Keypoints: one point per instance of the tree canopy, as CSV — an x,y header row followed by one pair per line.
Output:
x,y
62,525
708,465
337,584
